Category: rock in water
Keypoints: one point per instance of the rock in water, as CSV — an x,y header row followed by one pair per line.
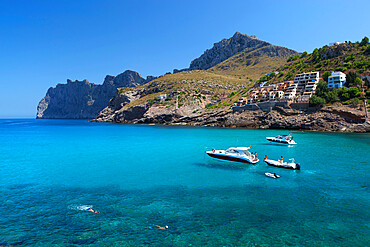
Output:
x,y
82,99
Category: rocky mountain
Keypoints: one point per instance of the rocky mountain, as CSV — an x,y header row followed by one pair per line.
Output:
x,y
238,43
82,99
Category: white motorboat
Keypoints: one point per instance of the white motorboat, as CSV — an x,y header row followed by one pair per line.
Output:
x,y
278,163
271,175
282,139
234,154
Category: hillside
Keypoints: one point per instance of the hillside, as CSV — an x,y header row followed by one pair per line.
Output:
x,y
186,93
344,57
254,63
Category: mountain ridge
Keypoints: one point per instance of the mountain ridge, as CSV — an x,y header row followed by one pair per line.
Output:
x,y
238,43
83,99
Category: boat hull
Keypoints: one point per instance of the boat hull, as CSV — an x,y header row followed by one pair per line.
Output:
x,y
229,158
270,175
284,142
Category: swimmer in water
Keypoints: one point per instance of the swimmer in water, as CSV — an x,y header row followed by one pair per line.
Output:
x,y
87,208
92,211
159,227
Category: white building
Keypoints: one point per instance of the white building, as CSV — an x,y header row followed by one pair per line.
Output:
x,y
290,92
335,43
336,80
304,85
162,97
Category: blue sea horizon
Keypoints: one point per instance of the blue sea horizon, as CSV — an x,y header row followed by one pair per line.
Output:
x,y
140,175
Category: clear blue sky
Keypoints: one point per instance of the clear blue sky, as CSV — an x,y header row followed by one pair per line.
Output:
x,y
43,43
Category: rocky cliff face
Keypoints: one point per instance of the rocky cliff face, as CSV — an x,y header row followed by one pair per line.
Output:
x,y
82,99
334,51
227,48
342,119
119,110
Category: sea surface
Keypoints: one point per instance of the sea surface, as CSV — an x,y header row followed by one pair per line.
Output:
x,y
138,176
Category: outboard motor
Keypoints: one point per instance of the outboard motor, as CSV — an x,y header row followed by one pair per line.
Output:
x,y
298,166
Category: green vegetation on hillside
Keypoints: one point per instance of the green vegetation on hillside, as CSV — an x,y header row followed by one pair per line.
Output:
x,y
191,86
352,95
344,57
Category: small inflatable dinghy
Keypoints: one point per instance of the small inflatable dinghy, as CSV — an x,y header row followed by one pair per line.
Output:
x,y
271,175
288,165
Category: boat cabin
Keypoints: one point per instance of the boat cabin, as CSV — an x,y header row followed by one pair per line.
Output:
x,y
239,150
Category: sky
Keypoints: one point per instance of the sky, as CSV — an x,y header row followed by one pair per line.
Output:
x,y
43,43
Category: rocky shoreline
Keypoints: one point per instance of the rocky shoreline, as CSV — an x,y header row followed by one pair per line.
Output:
x,y
328,118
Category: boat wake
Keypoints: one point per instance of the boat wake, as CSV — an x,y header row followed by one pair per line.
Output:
x,y
80,207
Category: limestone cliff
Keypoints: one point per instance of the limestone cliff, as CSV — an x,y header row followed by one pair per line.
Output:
x,y
227,48
82,99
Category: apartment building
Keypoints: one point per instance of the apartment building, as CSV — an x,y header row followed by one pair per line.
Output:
x,y
336,80
290,92
304,85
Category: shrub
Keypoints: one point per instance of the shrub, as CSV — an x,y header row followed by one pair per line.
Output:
x,y
292,58
364,41
332,96
344,96
231,95
354,102
349,58
354,92
350,79
342,69
326,75
321,89
289,75
367,50
316,101
211,106
347,64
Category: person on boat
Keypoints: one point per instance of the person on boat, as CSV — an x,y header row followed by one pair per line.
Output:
x,y
276,176
265,157
255,155
281,159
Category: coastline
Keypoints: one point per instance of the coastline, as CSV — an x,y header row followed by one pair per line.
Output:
x,y
326,119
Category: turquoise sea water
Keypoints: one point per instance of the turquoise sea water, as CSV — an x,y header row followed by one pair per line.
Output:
x,y
139,175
